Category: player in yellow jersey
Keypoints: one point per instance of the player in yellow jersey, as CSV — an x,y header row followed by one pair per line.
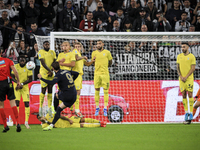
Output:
x,y
80,62
186,63
25,77
72,122
103,60
46,57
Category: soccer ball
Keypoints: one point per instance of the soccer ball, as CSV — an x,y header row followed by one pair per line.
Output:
x,y
30,65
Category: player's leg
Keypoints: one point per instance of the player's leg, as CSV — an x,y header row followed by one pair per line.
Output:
x,y
27,114
49,98
3,116
55,101
15,111
97,85
197,104
105,85
42,94
191,102
183,88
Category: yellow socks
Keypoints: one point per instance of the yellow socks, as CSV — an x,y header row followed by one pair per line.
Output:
x,y
106,96
77,102
185,104
90,120
96,97
27,113
191,102
41,99
72,108
49,98
91,125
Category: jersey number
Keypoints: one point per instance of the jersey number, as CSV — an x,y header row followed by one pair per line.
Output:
x,y
69,77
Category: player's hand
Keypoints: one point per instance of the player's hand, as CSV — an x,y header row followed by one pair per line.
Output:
x,y
84,57
71,122
93,60
39,76
18,83
17,88
184,79
62,60
195,100
50,73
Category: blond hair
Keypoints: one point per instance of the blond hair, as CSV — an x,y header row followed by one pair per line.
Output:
x,y
66,42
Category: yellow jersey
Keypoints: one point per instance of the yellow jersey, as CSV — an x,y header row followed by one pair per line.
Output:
x,y
23,74
69,57
185,63
101,61
48,57
79,64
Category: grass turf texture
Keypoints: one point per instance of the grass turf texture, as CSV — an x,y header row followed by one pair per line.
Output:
x,y
113,137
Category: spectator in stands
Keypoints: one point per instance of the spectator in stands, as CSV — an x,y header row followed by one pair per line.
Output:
x,y
69,18
21,48
101,26
144,28
197,9
31,12
91,5
36,31
174,14
197,26
88,25
182,25
115,27
2,6
100,12
12,53
151,9
161,23
113,6
142,20
18,13
19,35
127,26
4,21
133,10
192,28
37,61
47,14
190,17
161,5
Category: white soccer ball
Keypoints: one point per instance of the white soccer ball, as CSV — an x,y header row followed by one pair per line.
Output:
x,y
30,65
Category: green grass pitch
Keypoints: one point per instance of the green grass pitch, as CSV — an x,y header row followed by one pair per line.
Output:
x,y
113,137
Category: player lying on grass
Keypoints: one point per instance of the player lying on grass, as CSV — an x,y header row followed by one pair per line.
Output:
x,y
72,122
197,104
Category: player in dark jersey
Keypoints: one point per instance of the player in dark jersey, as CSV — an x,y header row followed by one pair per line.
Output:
x,y
67,88
6,89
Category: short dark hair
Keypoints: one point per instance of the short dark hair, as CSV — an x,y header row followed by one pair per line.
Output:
x,y
21,56
100,41
186,43
45,42
56,65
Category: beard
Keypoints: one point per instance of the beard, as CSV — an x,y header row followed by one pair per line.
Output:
x,y
46,49
22,65
99,48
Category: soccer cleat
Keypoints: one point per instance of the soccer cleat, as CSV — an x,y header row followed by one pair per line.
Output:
x,y
187,122
40,111
18,128
79,114
103,124
6,129
27,125
105,112
48,128
186,116
50,112
97,111
190,117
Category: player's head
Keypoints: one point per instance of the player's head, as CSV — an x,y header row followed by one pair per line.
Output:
x,y
184,47
66,46
46,45
78,46
40,118
22,60
100,45
55,66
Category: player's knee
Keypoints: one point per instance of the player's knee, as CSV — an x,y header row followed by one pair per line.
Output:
x,y
17,103
82,120
26,104
81,125
43,90
190,95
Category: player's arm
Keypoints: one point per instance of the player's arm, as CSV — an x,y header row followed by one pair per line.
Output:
x,y
191,71
109,63
89,63
51,82
80,57
197,95
16,74
65,118
13,78
178,70
72,64
74,74
44,65
28,80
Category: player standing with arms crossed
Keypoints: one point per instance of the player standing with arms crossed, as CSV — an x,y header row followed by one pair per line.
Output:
x,y
46,57
6,89
80,62
103,60
185,66
25,77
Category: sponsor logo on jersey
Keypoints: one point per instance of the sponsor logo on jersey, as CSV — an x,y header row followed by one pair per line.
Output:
x,y
2,62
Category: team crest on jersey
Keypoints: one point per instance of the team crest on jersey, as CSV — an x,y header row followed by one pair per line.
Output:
x,y
103,54
51,53
24,70
2,62
66,55
188,58
39,55
75,51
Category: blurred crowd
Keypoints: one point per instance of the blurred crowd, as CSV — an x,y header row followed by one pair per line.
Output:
x,y
20,19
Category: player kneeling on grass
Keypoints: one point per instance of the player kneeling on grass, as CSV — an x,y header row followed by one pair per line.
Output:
x,y
72,122
66,85
25,77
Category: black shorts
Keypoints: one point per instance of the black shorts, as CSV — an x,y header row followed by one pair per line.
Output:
x,y
6,89
68,98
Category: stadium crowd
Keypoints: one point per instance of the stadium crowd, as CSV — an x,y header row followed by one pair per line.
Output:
x,y
20,18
